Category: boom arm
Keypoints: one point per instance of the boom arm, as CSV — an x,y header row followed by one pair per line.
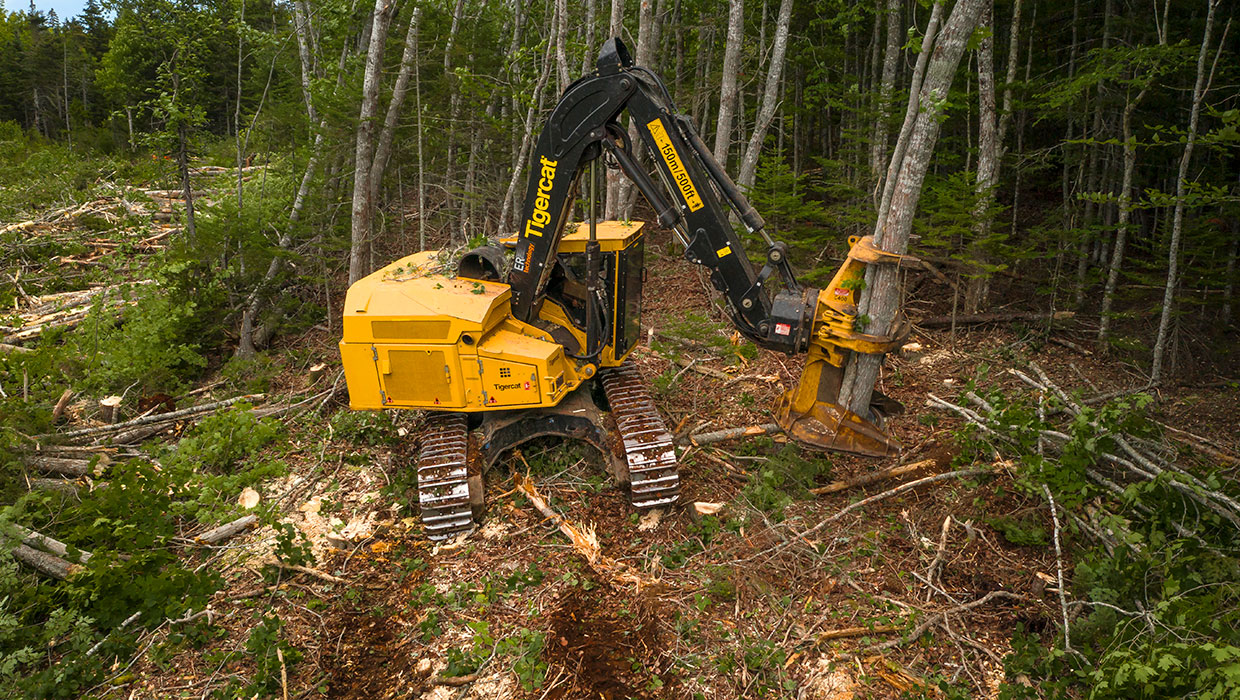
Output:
x,y
693,201
582,125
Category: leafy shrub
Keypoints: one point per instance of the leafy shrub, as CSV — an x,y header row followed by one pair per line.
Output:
x,y
364,427
785,476
164,337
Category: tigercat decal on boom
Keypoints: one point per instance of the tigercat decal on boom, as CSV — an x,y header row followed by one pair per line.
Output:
x,y
542,201
674,164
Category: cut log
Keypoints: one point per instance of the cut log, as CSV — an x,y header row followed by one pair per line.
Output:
x,y
6,349
40,541
866,480
44,563
110,409
733,433
975,319
59,410
65,486
227,530
58,465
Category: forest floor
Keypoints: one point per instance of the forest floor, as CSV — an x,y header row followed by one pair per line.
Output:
x,y
747,602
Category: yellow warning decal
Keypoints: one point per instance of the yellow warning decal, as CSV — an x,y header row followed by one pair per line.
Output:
x,y
723,251
674,164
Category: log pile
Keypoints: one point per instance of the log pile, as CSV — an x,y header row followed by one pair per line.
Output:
x,y
63,310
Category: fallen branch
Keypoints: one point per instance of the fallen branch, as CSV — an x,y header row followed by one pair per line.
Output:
x,y
6,349
939,617
733,433
306,570
585,542
59,465
227,530
158,418
866,480
847,632
976,319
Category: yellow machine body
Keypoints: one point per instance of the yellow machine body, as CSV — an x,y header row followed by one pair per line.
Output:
x,y
419,336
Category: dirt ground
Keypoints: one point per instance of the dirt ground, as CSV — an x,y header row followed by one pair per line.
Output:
x,y
739,605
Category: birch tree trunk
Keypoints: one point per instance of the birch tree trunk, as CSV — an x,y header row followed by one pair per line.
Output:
x,y
728,88
561,38
886,88
1125,216
519,164
363,161
643,56
384,150
591,33
770,97
895,228
978,288
612,207
1200,87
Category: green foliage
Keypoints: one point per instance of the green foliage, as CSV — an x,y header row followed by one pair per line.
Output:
x,y
785,475
271,654
522,649
364,427
164,337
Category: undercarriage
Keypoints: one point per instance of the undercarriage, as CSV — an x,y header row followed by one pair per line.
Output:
x,y
628,431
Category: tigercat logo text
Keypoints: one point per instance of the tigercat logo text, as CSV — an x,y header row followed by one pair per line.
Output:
x,y
542,201
514,385
675,165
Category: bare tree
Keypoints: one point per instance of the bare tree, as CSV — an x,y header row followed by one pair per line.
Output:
x,y
895,228
1200,87
399,89
770,96
614,204
536,101
561,39
363,205
728,90
1125,215
886,88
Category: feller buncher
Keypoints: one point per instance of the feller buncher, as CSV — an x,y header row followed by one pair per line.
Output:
x,y
543,350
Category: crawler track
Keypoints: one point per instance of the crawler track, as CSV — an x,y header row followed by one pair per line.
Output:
x,y
443,480
647,444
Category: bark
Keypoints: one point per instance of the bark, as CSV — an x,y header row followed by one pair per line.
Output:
x,y
401,87
561,38
1125,217
231,529
728,89
519,164
643,56
896,228
1200,87
886,88
363,204
770,97
417,106
44,563
910,116
613,203
978,289
591,43
1091,180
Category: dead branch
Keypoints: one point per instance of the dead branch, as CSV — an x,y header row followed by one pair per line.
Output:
x,y
585,542
158,418
847,632
866,480
733,433
328,578
975,319
933,619
59,410
6,349
228,530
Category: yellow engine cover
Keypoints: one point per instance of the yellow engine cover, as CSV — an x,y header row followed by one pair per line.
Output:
x,y
415,337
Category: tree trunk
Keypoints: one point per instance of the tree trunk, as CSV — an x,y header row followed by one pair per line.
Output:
x,y
644,56
614,204
728,88
384,150
895,229
1125,216
1200,87
561,38
910,119
591,43
770,97
363,204
977,291
519,164
886,88
1091,180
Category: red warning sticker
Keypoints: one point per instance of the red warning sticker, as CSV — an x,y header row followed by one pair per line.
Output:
x,y
782,329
